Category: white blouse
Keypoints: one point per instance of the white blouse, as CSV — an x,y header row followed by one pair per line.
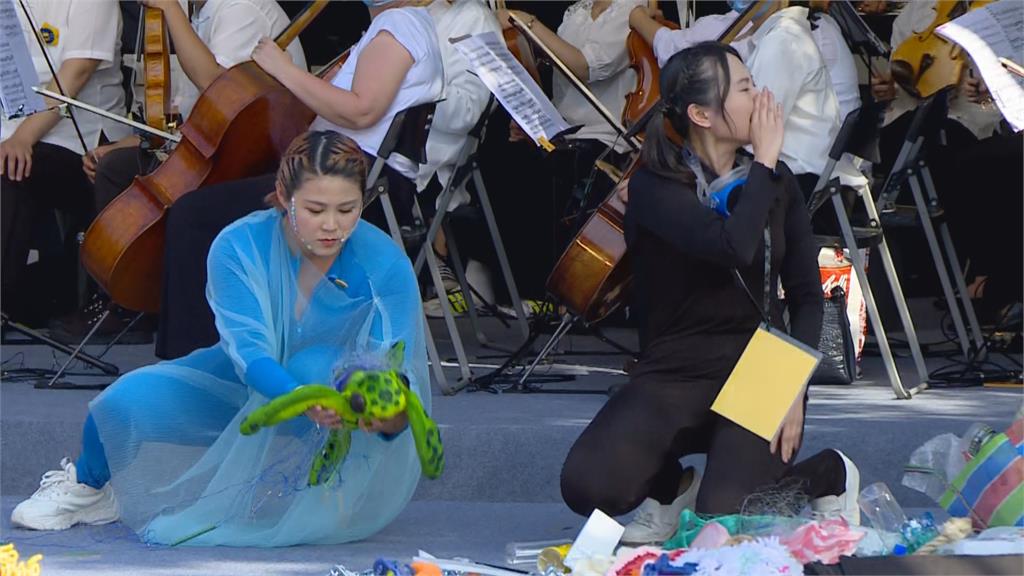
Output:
x,y
603,43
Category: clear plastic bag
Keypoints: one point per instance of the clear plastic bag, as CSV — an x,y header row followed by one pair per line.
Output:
x,y
934,465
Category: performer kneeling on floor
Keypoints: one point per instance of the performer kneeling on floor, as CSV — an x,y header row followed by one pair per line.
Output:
x,y
300,292
696,318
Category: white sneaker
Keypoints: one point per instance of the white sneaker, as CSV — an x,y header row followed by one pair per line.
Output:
x,y
845,505
654,522
61,502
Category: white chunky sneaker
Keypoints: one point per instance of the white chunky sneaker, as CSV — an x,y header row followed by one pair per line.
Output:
x,y
654,522
61,502
844,505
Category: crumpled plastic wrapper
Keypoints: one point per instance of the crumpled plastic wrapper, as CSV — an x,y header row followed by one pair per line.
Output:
x,y
823,541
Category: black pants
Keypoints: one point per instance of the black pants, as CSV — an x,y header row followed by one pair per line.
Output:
x,y
57,183
631,451
193,222
539,200
117,169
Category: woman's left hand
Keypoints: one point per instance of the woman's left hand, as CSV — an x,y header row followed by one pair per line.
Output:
x,y
789,436
391,426
269,56
503,19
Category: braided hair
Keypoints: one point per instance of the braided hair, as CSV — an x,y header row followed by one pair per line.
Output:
x,y
319,153
697,75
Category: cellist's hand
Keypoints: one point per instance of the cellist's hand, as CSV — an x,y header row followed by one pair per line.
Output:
x,y
503,15
516,132
161,4
91,160
269,56
622,190
976,90
872,6
883,89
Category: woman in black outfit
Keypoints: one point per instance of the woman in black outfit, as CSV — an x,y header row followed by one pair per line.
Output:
x,y
696,317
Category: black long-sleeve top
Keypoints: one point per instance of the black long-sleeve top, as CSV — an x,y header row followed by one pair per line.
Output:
x,y
695,319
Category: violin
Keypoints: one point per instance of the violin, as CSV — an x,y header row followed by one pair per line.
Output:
x,y
644,63
926,63
157,67
239,127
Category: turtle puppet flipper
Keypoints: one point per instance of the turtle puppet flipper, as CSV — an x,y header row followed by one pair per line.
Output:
x,y
426,436
290,405
339,441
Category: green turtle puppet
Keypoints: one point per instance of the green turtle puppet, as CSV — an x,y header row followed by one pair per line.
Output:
x,y
359,395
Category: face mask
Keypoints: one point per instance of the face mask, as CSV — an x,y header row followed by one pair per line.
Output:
x,y
740,5
375,3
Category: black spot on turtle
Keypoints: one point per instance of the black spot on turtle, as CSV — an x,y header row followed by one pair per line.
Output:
x,y
357,403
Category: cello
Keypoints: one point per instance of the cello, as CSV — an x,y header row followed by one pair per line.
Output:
x,y
926,63
157,66
593,275
236,129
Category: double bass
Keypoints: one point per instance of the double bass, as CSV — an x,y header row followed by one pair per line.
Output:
x,y
236,129
593,274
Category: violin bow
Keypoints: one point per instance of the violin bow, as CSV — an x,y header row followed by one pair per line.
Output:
x,y
576,82
53,72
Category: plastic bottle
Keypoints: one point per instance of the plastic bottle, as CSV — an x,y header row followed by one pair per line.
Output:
x,y
975,437
520,553
884,512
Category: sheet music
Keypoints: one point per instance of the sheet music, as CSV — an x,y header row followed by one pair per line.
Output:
x,y
987,33
498,69
17,72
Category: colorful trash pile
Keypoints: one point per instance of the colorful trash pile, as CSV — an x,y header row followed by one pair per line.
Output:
x,y
978,478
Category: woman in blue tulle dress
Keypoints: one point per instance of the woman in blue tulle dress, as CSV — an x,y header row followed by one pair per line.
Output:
x,y
299,291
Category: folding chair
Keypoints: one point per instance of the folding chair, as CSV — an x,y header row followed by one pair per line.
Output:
x,y
468,167
861,125
911,167
407,136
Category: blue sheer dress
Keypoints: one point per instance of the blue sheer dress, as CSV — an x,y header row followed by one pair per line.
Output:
x,y
180,469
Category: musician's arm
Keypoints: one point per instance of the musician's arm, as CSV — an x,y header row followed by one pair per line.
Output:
x,y
641,21
16,151
196,59
73,74
570,55
381,68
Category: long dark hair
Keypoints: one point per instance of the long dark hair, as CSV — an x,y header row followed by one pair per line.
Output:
x,y
697,75
319,153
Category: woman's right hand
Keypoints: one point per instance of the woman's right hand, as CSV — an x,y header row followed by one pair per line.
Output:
x,y
324,417
766,128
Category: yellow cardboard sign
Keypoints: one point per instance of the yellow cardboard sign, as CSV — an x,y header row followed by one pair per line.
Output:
x,y
768,378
